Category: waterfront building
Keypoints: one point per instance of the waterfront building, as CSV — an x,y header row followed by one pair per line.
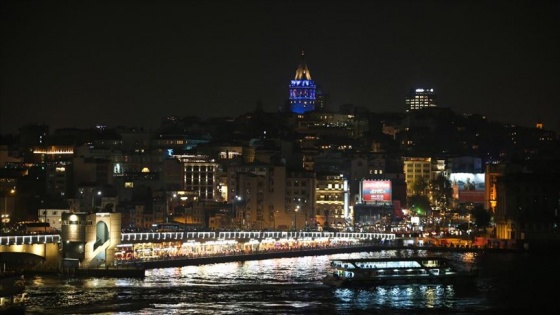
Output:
x,y
300,197
331,199
326,125
201,173
8,156
421,98
330,161
53,217
58,177
491,174
92,171
222,152
182,210
178,143
422,169
464,164
527,199
258,195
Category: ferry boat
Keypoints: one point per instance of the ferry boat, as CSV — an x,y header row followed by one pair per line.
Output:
x,y
398,270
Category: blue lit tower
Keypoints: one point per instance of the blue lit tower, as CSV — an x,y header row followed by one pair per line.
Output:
x,y
302,89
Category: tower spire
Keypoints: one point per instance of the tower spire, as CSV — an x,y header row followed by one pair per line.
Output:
x,y
302,72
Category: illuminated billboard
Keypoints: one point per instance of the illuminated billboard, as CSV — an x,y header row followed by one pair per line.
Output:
x,y
376,191
468,181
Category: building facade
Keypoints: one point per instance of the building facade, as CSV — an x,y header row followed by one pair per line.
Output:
x,y
421,98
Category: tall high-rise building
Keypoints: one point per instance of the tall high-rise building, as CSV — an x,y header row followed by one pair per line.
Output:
x,y
421,98
302,89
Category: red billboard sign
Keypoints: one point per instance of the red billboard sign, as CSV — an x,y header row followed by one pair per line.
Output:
x,y
377,191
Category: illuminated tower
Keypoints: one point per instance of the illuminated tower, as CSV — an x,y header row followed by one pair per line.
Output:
x,y
302,89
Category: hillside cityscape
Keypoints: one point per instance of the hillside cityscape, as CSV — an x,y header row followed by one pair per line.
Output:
x,y
304,166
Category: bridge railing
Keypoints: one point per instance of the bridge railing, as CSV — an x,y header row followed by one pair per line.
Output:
x,y
246,235
29,239
165,236
182,236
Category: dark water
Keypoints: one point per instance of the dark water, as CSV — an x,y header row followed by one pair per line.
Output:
x,y
507,282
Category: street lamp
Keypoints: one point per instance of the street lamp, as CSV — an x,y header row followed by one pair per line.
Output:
x,y
5,216
295,217
233,214
169,205
184,204
11,192
93,200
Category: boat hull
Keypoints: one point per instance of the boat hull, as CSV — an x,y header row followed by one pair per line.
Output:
x,y
336,281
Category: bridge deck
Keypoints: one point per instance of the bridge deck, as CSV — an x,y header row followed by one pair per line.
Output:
x,y
202,236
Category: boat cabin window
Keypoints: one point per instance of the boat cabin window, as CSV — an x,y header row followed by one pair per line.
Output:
x,y
397,264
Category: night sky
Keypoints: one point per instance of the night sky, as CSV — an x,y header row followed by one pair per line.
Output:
x,y
132,63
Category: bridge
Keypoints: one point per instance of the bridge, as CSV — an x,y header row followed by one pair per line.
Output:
x,y
93,240
48,247
14,243
247,235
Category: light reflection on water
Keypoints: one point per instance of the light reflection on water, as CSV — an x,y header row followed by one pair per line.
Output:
x,y
281,286
398,297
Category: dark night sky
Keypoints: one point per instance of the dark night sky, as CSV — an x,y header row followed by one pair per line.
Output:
x,y
131,63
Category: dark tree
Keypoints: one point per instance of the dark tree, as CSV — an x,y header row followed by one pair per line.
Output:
x,y
441,191
419,186
482,217
420,204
